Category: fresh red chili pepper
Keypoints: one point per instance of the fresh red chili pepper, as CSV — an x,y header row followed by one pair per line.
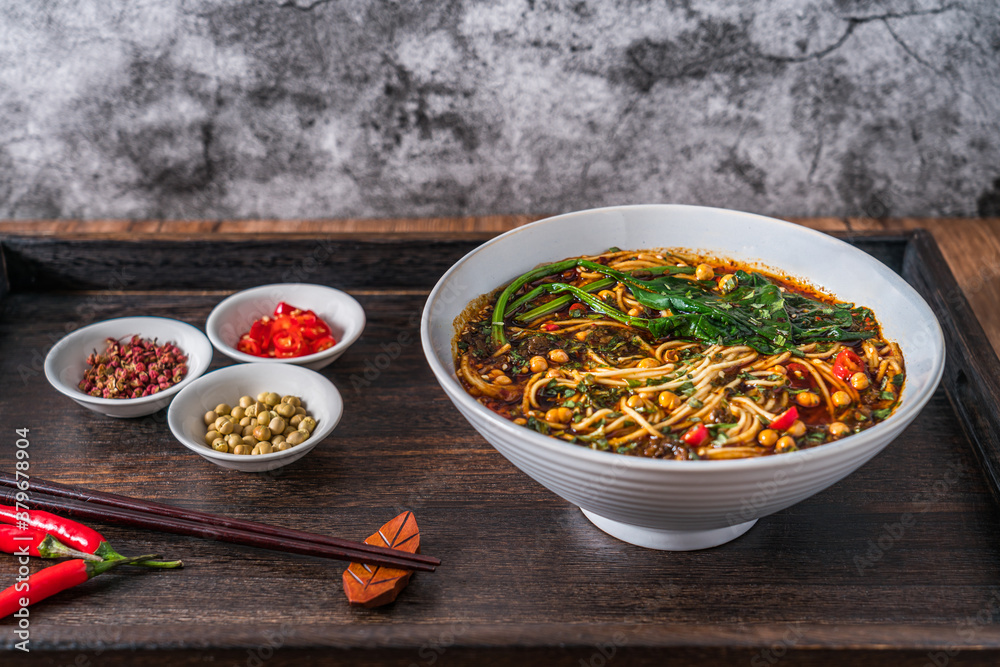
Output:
x,y
46,583
284,309
291,332
38,543
847,364
313,328
283,322
783,421
696,436
579,307
66,531
298,350
248,345
549,326
286,340
260,331
71,533
323,343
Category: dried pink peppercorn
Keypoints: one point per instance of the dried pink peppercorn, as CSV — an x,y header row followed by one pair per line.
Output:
x,y
133,369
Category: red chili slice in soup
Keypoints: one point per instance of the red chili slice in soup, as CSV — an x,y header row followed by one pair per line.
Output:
x,y
696,436
785,419
847,364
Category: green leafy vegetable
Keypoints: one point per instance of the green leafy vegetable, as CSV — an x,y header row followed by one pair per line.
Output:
x,y
756,313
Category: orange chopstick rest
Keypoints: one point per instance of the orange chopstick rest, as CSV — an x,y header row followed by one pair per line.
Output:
x,y
374,585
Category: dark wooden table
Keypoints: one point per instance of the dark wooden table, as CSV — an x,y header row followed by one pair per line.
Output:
x,y
897,564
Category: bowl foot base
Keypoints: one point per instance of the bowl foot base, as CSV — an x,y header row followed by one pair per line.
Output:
x,y
668,540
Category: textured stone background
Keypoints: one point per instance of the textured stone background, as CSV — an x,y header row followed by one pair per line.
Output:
x,y
354,108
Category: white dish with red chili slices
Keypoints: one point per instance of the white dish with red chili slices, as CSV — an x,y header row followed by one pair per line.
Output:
x,y
235,314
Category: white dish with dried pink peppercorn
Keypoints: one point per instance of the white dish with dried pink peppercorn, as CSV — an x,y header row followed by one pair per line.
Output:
x,y
129,366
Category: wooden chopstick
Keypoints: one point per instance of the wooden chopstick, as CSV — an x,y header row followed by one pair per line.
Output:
x,y
150,507
122,510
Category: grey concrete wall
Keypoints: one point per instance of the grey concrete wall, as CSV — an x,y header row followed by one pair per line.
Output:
x,y
327,108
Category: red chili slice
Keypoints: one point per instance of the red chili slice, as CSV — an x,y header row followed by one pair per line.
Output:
x,y
291,332
315,331
783,421
324,343
847,364
301,349
284,322
286,340
260,331
696,436
284,309
248,345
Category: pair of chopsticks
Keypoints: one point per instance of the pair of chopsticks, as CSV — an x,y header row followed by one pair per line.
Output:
x,y
112,508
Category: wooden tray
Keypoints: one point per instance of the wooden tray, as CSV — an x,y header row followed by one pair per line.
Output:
x,y
900,558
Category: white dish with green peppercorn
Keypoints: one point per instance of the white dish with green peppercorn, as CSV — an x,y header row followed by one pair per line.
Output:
x,y
235,315
67,363
198,419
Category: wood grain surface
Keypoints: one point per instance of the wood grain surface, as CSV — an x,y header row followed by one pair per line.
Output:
x,y
897,562
970,245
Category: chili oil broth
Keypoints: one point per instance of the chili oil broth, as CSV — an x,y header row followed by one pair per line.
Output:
x,y
584,378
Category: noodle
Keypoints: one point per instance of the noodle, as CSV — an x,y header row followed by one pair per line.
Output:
x,y
632,367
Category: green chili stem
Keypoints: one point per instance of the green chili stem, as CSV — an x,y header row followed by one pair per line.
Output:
x,y
108,553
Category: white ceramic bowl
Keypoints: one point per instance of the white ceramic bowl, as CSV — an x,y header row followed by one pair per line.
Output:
x,y
233,316
680,505
319,397
66,362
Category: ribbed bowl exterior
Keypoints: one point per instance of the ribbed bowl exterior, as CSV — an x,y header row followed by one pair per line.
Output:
x,y
685,495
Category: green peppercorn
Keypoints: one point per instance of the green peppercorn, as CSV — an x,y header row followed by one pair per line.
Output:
x,y
296,437
271,423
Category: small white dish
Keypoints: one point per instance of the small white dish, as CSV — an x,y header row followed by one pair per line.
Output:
x,y
66,362
319,397
233,316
